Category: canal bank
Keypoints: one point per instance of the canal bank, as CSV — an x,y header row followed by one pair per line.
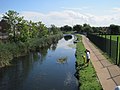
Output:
x,y
86,75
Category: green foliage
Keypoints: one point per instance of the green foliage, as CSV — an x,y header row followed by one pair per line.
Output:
x,y
9,51
54,29
66,28
85,74
23,30
24,36
13,19
5,56
78,28
87,28
114,29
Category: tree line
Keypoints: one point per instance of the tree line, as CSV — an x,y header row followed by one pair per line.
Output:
x,y
86,28
19,29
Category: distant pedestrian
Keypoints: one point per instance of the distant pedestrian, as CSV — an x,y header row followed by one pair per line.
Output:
x,y
87,56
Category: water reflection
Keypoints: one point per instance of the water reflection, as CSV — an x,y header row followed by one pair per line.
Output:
x,y
68,80
67,37
11,78
40,71
53,46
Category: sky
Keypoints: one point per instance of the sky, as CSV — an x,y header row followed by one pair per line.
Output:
x,y
66,12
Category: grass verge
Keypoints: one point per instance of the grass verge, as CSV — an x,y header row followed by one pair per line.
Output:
x,y
86,75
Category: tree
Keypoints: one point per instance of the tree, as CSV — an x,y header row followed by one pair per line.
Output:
x,y
114,29
43,31
24,31
87,28
13,20
54,29
77,28
66,28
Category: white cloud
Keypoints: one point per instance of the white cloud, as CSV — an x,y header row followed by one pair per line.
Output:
x,y
71,17
116,9
75,9
35,16
66,8
1,16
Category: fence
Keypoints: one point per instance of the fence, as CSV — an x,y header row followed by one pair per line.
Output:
x,y
107,45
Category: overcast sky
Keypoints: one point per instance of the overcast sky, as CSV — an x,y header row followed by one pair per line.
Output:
x,y
66,12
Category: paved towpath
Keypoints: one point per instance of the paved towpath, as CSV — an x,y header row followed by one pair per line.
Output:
x,y
108,74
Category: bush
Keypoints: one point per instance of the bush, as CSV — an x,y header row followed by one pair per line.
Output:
x,y
5,56
9,51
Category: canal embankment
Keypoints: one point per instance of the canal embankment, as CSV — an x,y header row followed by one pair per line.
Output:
x,y
86,75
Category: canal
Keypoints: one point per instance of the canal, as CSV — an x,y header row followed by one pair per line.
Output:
x,y
49,69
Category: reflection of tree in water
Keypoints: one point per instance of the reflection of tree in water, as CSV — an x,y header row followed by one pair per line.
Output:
x,y
68,80
67,37
53,46
40,55
10,78
43,52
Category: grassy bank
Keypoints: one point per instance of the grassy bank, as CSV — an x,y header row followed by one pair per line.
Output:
x,y
8,51
86,75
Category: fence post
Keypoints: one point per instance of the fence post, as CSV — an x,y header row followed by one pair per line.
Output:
x,y
105,43
117,51
110,45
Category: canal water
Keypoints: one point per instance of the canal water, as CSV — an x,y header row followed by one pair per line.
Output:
x,y
49,69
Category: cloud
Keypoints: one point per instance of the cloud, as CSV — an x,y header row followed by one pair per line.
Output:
x,y
35,16
1,16
116,9
75,9
71,17
66,8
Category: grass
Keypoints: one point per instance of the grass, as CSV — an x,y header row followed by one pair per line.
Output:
x,y
114,37
86,75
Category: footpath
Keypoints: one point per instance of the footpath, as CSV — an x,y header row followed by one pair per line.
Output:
x,y
108,74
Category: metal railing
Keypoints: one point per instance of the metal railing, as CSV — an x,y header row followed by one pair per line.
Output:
x,y
107,45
